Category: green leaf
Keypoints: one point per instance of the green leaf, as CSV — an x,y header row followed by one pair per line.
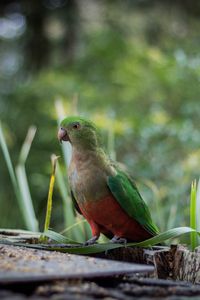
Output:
x,y
26,197
50,196
97,248
59,238
160,238
68,211
19,182
198,209
193,236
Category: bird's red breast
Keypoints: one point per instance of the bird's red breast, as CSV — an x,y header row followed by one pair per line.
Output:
x,y
111,219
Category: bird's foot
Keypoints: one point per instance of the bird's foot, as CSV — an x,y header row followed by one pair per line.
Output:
x,y
117,240
91,241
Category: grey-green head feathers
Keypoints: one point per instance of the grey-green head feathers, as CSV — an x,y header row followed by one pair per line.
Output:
x,y
81,132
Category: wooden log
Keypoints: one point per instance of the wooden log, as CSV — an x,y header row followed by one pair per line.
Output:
x,y
187,264
175,262
157,256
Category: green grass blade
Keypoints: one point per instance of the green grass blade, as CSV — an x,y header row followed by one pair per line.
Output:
x,y
50,196
73,226
169,234
193,236
21,191
67,203
198,209
8,162
85,229
23,182
12,175
96,248
69,215
59,238
27,145
31,221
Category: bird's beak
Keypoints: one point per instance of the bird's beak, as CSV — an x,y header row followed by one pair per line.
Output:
x,y
62,135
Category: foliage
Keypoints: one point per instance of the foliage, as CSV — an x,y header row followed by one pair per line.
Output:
x,y
160,238
19,181
76,248
136,70
50,197
25,204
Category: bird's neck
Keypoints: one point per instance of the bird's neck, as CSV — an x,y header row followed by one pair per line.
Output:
x,y
82,156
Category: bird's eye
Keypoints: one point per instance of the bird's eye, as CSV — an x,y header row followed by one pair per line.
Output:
x,y
76,126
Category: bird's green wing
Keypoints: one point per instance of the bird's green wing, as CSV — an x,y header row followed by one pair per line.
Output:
x,y
75,203
129,198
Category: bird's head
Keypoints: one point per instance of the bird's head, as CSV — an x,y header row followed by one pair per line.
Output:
x,y
79,132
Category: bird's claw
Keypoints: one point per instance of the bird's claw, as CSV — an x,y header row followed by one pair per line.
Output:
x,y
118,240
91,241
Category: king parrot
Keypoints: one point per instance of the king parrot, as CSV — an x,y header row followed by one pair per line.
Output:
x,y
101,191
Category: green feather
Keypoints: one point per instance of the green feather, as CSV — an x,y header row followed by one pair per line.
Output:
x,y
129,198
75,204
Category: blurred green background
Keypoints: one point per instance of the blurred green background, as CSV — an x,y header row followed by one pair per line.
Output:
x,y
134,67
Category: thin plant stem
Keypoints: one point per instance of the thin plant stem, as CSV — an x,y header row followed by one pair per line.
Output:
x,y
50,194
193,236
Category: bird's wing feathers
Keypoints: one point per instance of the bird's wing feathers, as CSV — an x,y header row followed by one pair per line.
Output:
x,y
75,203
127,195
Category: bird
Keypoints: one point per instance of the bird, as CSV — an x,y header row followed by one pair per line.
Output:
x,y
101,190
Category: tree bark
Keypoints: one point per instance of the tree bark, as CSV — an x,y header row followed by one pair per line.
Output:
x,y
176,262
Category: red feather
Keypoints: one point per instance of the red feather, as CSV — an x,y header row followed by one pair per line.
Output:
x,y
107,216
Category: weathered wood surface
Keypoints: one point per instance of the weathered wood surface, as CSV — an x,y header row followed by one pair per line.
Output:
x,y
187,264
175,262
125,287
20,264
